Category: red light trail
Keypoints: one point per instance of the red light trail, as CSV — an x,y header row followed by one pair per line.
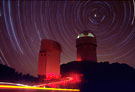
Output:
x,y
72,79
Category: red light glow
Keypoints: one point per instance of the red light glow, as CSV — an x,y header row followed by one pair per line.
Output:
x,y
50,76
75,78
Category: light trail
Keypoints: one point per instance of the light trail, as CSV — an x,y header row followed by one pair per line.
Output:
x,y
134,13
38,88
8,83
68,80
75,78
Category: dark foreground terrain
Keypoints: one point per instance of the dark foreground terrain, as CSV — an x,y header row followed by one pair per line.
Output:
x,y
102,77
95,77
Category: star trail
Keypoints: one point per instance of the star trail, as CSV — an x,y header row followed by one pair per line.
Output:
x,y
23,23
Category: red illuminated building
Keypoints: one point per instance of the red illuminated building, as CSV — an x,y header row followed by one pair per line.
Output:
x,y
86,47
49,60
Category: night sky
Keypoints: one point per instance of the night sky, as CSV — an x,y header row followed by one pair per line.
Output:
x,y
24,23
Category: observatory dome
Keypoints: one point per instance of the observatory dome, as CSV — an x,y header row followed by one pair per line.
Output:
x,y
86,34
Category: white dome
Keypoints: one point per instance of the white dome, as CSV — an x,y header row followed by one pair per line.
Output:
x,y
86,34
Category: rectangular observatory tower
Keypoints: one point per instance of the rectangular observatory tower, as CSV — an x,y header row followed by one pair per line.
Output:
x,y
49,60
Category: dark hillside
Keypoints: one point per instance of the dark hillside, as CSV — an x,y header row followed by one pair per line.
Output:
x,y
102,77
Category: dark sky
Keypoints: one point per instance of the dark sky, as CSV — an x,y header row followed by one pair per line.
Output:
x,y
24,23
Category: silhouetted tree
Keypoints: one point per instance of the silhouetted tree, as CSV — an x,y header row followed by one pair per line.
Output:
x,y
8,74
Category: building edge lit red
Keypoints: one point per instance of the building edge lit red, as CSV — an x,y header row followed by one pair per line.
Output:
x,y
86,47
49,60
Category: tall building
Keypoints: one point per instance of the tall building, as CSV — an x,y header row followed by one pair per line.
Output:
x,y
86,47
49,60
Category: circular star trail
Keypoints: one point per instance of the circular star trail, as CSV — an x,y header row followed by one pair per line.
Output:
x,y
24,23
